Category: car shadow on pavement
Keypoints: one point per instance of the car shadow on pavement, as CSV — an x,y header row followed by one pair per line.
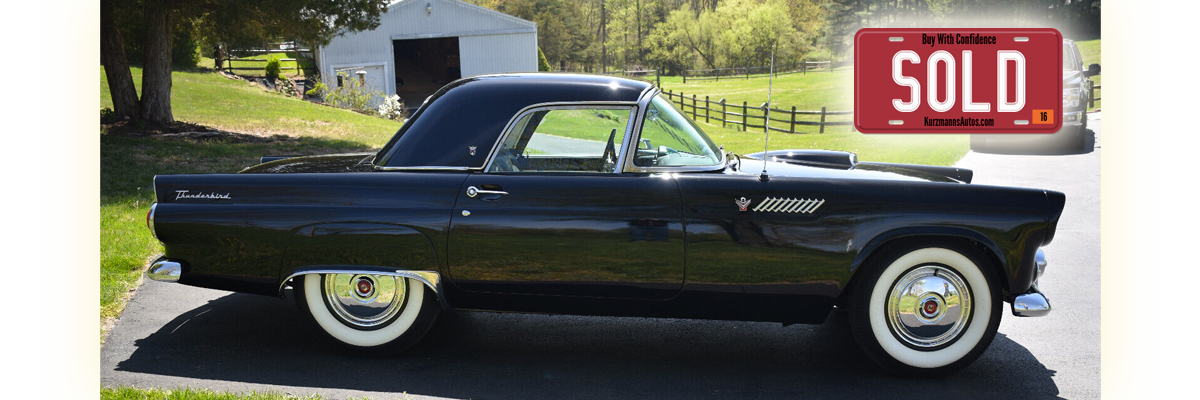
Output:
x,y
1043,149
262,340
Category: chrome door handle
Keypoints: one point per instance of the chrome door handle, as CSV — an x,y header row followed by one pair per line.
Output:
x,y
474,191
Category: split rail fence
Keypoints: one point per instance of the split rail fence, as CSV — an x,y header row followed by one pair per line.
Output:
x,y
750,117
755,72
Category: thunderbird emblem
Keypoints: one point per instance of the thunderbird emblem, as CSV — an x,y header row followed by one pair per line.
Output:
x,y
742,203
472,149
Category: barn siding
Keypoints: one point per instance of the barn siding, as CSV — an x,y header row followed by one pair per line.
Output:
x,y
489,42
498,53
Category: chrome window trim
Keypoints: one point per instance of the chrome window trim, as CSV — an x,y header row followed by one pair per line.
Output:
x,y
628,165
458,169
634,112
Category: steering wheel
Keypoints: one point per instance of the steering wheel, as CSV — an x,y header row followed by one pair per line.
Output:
x,y
610,152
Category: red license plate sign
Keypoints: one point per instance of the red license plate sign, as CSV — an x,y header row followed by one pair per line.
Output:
x,y
958,80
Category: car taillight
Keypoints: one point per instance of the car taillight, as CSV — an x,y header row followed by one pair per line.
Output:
x,y
150,220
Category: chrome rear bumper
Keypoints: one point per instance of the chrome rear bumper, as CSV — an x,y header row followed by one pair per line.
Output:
x,y
1033,303
165,270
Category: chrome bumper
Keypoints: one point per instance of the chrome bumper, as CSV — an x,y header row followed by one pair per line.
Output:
x,y
1033,303
165,270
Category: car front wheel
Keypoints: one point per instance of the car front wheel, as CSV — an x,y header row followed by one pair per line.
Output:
x,y
925,311
372,314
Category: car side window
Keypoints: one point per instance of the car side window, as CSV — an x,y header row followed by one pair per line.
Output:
x,y
575,139
670,139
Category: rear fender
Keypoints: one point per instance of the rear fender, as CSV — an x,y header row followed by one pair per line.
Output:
x,y
382,249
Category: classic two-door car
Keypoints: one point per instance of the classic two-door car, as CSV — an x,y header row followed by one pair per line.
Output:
x,y
594,195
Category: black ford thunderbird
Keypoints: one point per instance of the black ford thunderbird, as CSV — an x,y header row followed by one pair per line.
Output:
x,y
594,195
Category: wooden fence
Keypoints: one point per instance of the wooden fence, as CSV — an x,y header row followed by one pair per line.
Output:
x,y
259,64
236,62
753,117
754,72
1092,99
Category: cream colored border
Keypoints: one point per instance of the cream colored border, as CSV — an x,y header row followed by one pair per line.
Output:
x,y
69,200
69,352
1131,243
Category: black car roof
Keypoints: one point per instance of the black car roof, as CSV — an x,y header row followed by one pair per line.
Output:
x,y
472,112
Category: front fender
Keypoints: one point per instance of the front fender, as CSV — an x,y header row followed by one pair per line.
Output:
x,y
1010,258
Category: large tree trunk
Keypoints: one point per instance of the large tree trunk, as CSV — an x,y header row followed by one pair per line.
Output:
x,y
116,66
156,75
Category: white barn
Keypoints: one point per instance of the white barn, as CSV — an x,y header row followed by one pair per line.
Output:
x,y
421,45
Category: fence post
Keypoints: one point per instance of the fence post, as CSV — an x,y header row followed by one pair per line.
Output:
x,y
822,120
707,106
693,107
1091,94
766,117
793,128
658,77
723,116
744,104
684,76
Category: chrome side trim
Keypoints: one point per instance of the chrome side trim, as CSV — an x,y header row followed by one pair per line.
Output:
x,y
150,220
457,169
430,278
1031,304
165,270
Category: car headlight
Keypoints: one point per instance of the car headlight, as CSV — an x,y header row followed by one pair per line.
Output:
x,y
1071,97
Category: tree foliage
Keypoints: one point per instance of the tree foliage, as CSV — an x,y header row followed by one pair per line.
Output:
x,y
150,30
677,35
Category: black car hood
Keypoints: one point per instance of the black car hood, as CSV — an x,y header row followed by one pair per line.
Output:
x,y
834,164
357,162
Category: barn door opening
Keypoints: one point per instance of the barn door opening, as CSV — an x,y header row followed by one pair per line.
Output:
x,y
423,66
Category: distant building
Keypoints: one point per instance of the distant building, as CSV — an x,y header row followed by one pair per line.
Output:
x,y
421,45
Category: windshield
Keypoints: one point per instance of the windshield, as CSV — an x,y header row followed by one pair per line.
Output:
x,y
669,139
1069,61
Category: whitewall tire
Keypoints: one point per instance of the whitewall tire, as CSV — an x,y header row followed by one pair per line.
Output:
x,y
922,310
373,314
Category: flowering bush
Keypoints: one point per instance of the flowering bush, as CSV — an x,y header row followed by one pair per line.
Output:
x,y
392,108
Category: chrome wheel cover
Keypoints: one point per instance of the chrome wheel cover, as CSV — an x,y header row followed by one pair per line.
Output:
x,y
929,306
364,301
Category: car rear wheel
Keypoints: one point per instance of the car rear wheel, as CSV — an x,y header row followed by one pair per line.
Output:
x,y
371,314
925,311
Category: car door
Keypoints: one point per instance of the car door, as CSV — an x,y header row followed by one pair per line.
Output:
x,y
551,215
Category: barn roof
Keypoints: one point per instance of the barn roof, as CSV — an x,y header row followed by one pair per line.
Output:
x,y
466,8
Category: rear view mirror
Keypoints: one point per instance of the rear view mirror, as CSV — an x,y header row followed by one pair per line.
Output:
x,y
1093,70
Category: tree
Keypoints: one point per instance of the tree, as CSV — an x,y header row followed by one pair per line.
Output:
x,y
220,21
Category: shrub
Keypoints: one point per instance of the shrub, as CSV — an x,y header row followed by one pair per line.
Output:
x,y
543,64
317,89
393,108
272,68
